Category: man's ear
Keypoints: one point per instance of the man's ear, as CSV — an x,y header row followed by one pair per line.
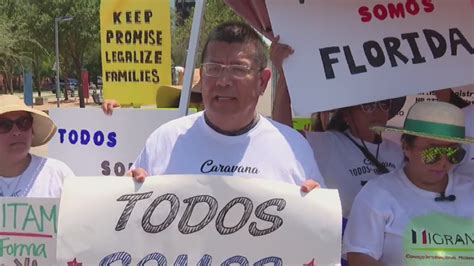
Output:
x,y
265,76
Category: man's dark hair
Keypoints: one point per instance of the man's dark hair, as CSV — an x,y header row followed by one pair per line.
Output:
x,y
238,32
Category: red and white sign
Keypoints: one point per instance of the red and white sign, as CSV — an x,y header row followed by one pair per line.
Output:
x,y
351,52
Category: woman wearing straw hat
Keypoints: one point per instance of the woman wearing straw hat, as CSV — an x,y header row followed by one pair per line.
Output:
x,y
23,174
421,214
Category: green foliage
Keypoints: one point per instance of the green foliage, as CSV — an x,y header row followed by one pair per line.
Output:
x,y
216,13
28,39
32,35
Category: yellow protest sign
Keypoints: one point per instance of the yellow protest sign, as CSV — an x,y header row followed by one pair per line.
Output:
x,y
136,49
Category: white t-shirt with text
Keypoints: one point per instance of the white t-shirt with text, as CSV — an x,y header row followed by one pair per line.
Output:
x,y
188,145
394,221
344,166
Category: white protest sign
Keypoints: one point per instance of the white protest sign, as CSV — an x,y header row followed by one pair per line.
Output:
x,y
92,143
183,220
28,231
351,52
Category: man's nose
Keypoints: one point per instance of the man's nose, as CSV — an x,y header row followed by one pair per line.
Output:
x,y
224,78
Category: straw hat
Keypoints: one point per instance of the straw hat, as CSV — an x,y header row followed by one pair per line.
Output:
x,y
434,120
43,127
168,95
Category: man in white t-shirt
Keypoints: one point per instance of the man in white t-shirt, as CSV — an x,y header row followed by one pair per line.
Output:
x,y
230,138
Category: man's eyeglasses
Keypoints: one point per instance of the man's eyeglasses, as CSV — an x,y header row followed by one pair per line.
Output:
x,y
23,123
371,107
432,155
215,70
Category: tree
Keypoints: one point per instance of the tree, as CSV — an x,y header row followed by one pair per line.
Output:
x,y
13,59
216,13
34,20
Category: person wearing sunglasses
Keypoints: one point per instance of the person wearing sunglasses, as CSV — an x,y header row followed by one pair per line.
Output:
x,y
23,174
421,213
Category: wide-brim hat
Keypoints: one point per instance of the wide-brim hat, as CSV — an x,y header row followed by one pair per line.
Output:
x,y
434,120
43,127
396,106
168,95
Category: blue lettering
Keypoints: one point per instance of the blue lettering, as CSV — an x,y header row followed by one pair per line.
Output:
x,y
274,260
122,256
159,258
85,137
61,131
99,138
182,260
206,163
112,136
242,261
73,136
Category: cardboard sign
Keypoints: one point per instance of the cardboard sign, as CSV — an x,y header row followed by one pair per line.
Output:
x,y
136,49
92,143
197,220
353,52
28,231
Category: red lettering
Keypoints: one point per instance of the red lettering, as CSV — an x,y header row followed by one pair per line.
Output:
x,y
412,7
380,12
396,11
428,6
364,12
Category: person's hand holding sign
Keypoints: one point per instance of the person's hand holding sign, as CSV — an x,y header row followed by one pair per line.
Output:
x,y
139,174
278,53
109,105
309,185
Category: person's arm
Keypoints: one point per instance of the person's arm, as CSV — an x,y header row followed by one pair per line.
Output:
x,y
448,95
360,259
281,111
282,104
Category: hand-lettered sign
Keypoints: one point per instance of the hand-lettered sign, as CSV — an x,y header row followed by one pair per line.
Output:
x,y
136,49
92,143
28,231
358,51
197,220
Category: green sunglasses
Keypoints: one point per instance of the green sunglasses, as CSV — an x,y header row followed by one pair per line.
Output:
x,y
432,155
